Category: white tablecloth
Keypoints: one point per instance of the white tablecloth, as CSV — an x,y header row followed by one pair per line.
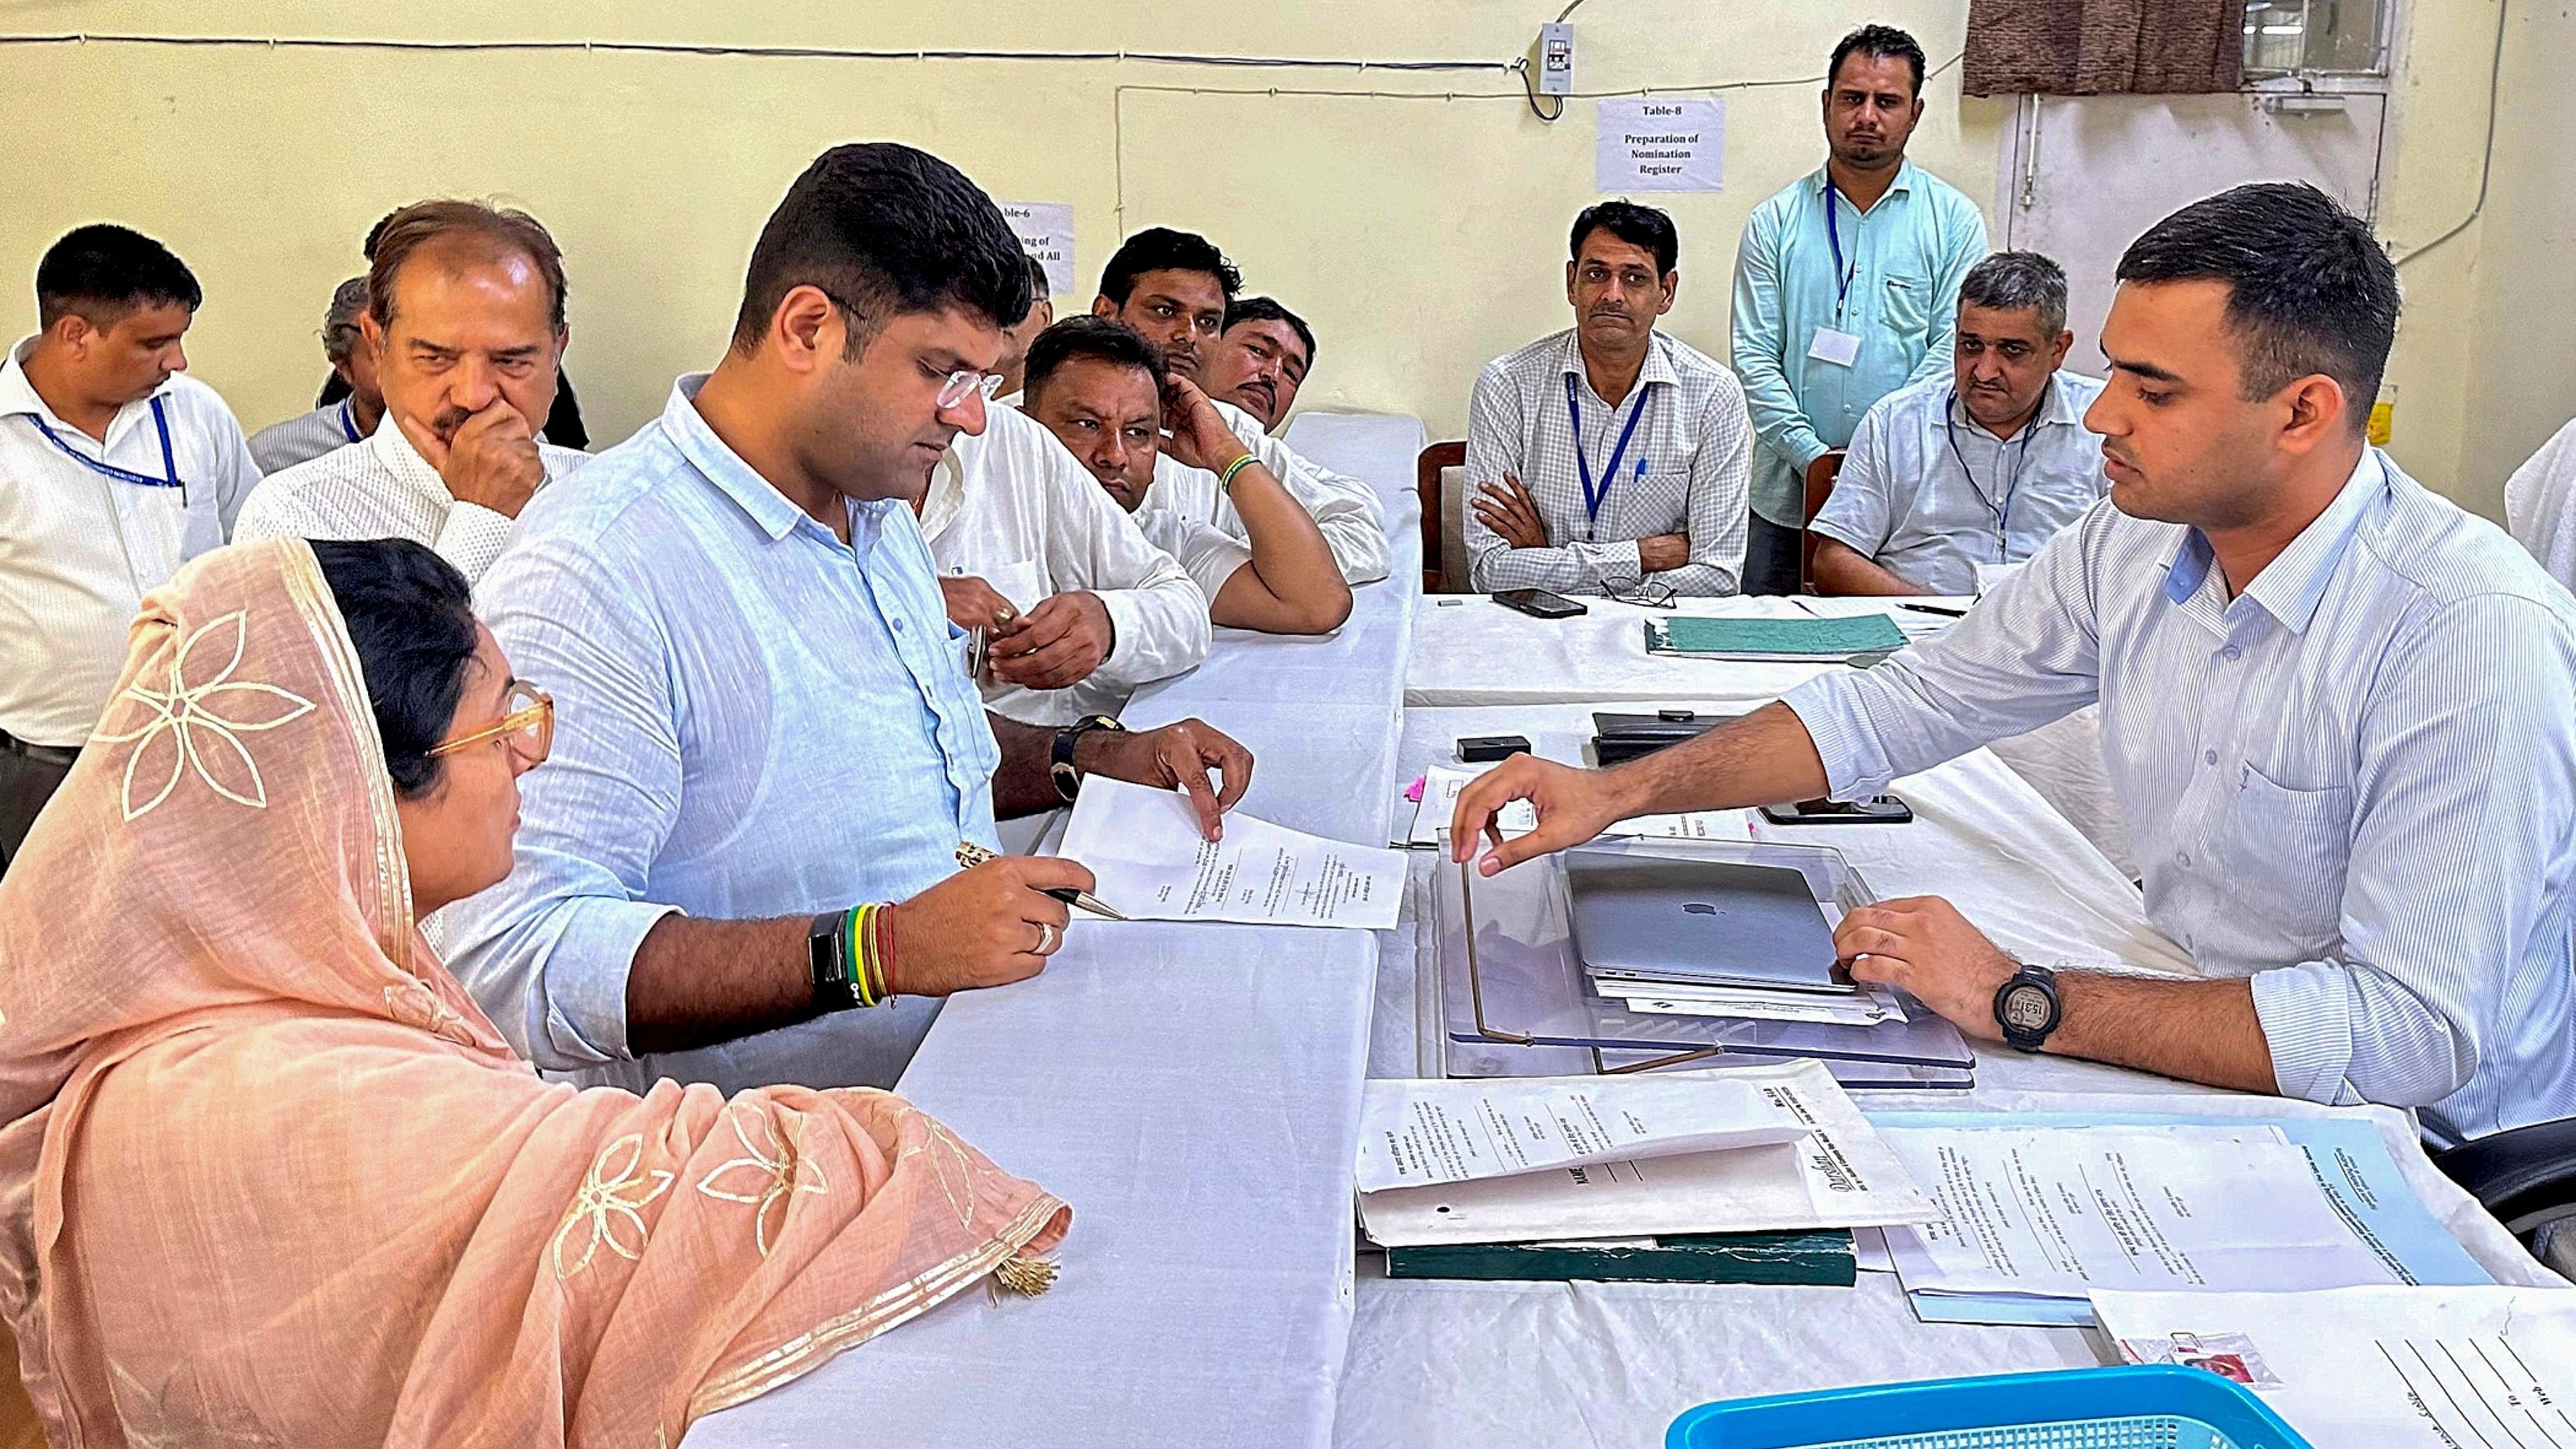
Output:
x,y
1193,1092
1382,448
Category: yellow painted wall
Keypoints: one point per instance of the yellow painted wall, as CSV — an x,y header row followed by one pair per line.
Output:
x,y
1421,235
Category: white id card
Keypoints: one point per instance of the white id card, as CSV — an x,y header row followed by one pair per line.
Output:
x,y
1836,346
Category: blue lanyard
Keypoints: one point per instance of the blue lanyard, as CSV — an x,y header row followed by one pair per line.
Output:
x,y
169,461
1834,237
1592,499
348,424
2012,480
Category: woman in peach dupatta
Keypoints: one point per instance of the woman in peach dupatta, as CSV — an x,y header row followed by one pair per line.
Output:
x,y
270,1177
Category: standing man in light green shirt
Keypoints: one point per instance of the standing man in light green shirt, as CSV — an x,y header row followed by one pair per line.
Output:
x,y
1846,288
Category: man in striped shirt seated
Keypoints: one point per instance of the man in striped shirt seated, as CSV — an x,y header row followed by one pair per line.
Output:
x,y
1610,458
2338,712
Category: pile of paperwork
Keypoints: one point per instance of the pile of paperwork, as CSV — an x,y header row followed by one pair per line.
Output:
x,y
2036,1214
1145,851
1542,1159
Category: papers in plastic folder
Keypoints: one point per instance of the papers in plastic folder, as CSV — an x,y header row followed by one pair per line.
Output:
x,y
1144,848
2393,1368
2036,1218
1840,1174
1414,1133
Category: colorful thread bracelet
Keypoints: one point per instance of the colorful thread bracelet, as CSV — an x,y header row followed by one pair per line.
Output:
x,y
1225,480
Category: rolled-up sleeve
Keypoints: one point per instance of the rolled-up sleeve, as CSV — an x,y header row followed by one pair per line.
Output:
x,y
548,951
1346,510
2468,771
1159,614
2028,654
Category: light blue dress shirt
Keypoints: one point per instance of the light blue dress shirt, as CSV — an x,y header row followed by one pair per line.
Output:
x,y
1907,256
2354,783
1928,494
752,720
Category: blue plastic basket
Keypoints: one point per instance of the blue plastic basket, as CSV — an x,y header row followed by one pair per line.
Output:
x,y
2158,1406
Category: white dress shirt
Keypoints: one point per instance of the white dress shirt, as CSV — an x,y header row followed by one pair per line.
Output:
x,y
304,437
756,720
2540,505
79,549
1927,493
1346,510
1684,470
2355,782
1013,507
384,488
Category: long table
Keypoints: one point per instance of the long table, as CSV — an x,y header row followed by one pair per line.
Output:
x,y
1192,1091
1503,1365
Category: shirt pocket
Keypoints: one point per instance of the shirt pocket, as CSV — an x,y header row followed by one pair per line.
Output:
x,y
2286,853
1905,306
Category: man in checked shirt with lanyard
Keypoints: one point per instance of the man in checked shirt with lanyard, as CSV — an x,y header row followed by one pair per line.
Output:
x,y
1609,458
115,468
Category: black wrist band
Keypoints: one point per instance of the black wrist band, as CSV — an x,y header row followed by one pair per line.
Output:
x,y
828,953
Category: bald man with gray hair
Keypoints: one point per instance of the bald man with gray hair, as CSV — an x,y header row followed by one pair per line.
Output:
x,y
337,422
1974,470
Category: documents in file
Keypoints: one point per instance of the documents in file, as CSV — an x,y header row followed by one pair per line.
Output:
x,y
1144,848
1413,1133
2393,1368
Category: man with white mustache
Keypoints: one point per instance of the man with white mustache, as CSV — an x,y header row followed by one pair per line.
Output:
x,y
1609,458
1845,285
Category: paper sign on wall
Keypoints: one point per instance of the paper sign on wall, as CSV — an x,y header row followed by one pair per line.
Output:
x,y
1660,145
1045,230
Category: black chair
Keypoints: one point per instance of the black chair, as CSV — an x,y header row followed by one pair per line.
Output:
x,y
2527,1178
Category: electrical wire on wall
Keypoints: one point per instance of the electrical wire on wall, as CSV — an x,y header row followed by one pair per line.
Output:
x,y
2486,163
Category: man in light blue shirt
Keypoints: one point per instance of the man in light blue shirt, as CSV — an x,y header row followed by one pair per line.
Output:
x,y
763,712
1846,284
1977,468
2339,713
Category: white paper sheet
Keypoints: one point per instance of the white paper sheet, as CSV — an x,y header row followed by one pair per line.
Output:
x,y
1415,1133
1144,849
2059,1213
1866,1007
1840,1175
2393,1368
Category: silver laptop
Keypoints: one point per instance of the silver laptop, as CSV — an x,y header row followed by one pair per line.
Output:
x,y
1710,923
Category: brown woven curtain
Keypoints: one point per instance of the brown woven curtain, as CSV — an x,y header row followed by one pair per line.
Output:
x,y
2104,47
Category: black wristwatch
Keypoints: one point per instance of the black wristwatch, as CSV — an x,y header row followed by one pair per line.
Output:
x,y
835,964
1068,780
2028,1009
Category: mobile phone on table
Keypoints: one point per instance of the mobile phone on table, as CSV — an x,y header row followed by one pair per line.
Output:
x,y
1876,810
1539,603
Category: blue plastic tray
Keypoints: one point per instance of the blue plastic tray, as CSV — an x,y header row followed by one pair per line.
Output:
x,y
2157,1406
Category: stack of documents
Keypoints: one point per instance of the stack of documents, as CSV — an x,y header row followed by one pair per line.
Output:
x,y
1774,641
1151,864
1583,1159
2038,1214
2393,1368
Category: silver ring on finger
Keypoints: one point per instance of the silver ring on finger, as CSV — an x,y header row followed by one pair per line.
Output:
x,y
1046,938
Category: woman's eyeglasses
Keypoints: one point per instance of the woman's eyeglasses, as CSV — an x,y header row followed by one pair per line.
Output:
x,y
529,727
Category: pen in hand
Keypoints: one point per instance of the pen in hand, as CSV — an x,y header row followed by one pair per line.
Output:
x,y
971,855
